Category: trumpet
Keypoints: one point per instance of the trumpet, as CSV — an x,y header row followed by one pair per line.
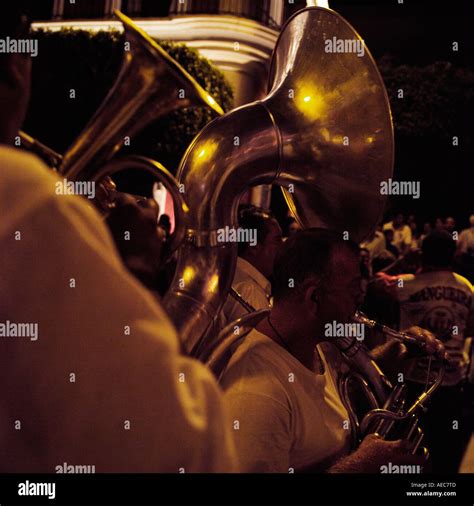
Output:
x,y
389,415
402,337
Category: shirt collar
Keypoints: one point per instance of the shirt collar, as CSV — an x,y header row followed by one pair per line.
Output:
x,y
254,273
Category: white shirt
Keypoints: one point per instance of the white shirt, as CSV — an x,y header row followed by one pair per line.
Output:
x,y
402,237
442,302
284,415
252,286
466,241
85,392
376,245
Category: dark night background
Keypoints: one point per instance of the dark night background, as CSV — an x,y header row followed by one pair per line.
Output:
x,y
419,33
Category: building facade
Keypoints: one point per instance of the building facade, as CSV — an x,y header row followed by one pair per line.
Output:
x,y
238,36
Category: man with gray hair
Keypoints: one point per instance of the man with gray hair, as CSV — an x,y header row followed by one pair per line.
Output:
x,y
279,384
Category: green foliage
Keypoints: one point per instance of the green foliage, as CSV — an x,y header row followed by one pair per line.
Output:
x,y
88,63
436,99
436,106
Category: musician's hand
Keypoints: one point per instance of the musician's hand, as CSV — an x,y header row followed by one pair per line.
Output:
x,y
138,238
106,194
430,345
375,452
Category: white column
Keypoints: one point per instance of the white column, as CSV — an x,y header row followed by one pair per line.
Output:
x,y
116,4
277,11
108,8
58,9
317,3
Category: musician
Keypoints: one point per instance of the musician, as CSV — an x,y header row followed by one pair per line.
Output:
x,y
402,236
443,302
254,263
102,382
281,389
466,239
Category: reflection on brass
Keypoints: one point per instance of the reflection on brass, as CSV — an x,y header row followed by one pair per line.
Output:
x,y
323,133
148,86
388,415
49,156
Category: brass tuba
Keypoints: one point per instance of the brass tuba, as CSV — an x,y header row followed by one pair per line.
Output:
x,y
323,133
148,86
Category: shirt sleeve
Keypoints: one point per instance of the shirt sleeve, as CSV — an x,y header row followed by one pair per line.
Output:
x,y
407,235
462,240
261,432
104,383
469,332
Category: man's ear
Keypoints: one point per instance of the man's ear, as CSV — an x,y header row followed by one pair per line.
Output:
x,y
311,299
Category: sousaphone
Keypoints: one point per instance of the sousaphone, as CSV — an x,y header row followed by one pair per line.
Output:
x,y
323,133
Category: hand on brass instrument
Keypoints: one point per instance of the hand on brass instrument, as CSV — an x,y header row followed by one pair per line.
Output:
x,y
138,238
375,452
106,194
425,343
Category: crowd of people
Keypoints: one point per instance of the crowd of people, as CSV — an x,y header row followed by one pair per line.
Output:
x,y
419,287
427,281
394,239
107,383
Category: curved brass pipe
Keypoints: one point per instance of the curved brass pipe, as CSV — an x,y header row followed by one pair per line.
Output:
x,y
146,88
324,133
215,172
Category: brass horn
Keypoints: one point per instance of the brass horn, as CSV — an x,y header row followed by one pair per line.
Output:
x,y
389,413
50,157
323,133
149,85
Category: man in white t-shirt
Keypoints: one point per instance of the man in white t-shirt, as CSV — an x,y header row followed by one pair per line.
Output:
x,y
91,369
286,411
402,236
254,264
466,239
375,244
